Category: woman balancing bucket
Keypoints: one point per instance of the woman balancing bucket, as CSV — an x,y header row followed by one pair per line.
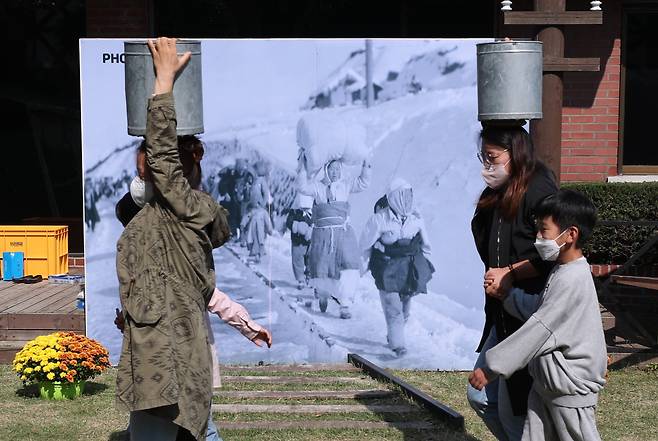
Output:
x,y
187,88
509,81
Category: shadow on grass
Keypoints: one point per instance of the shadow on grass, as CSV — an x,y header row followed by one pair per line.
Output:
x,y
92,388
121,435
29,391
32,390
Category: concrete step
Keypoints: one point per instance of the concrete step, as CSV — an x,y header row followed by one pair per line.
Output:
x,y
291,368
265,379
309,394
313,408
328,425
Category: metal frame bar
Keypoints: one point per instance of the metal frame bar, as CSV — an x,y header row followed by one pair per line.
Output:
x,y
450,416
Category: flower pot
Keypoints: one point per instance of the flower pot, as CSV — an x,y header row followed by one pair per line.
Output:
x,y
56,390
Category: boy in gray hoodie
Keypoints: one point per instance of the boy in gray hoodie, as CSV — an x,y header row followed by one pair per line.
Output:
x,y
562,340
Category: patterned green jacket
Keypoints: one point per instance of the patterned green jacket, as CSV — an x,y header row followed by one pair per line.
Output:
x,y
167,277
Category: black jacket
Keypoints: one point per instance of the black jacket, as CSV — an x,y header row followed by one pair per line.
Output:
x,y
501,242
298,215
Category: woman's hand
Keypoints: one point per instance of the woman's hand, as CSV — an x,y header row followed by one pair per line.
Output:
x,y
166,63
119,320
497,282
263,336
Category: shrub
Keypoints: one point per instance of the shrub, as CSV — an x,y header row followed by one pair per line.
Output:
x,y
621,202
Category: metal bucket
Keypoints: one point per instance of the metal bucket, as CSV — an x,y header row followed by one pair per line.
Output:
x,y
509,80
140,78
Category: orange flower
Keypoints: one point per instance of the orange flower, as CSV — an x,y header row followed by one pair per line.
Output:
x,y
63,366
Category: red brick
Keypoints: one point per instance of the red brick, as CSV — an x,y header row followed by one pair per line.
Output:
x,y
581,119
606,119
604,152
606,135
579,135
572,127
606,102
595,127
582,177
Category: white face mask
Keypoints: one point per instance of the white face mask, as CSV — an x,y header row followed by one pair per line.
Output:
x,y
141,191
548,249
496,176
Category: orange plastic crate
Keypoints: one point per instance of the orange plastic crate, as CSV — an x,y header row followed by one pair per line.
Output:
x,y
46,247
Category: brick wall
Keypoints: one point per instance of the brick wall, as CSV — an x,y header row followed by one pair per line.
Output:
x,y
590,116
76,261
118,18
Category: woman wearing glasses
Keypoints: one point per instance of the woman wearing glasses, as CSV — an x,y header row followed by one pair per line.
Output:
x,y
504,231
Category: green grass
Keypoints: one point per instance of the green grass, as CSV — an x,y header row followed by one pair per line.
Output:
x,y
25,417
627,411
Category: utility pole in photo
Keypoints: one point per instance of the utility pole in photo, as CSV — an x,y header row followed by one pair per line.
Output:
x,y
370,91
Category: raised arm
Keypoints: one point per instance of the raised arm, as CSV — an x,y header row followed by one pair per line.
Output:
x,y
162,143
363,180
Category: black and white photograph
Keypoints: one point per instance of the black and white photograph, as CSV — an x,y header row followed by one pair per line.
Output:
x,y
349,173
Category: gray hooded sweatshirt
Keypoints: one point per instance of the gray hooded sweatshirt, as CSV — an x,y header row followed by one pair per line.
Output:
x,y
562,342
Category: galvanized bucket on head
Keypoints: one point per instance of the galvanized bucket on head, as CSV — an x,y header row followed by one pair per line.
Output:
x,y
509,80
140,78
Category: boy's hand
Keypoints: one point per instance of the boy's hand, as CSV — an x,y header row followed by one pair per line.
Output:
x,y
263,336
166,63
478,379
497,282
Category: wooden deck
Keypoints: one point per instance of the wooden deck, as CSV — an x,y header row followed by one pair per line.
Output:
x,y
27,311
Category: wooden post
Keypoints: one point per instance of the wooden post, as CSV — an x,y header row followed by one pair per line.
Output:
x,y
547,132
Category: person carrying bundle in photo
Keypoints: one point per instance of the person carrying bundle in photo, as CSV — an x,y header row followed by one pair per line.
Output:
x,y
326,146
396,247
300,224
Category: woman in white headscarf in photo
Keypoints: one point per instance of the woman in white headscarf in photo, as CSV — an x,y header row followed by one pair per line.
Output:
x,y
333,259
396,247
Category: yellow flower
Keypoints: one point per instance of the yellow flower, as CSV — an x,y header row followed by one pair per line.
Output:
x,y
23,377
28,370
50,376
37,369
62,374
19,367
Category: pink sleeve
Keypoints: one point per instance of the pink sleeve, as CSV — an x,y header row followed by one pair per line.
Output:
x,y
234,314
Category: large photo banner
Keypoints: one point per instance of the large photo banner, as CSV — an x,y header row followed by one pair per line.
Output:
x,y
350,223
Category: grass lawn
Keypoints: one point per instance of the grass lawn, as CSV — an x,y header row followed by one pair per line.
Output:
x,y
627,411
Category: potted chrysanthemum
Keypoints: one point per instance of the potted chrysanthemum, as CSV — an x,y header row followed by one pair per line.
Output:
x,y
60,363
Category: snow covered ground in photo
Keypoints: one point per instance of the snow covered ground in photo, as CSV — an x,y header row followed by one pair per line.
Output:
x,y
423,128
